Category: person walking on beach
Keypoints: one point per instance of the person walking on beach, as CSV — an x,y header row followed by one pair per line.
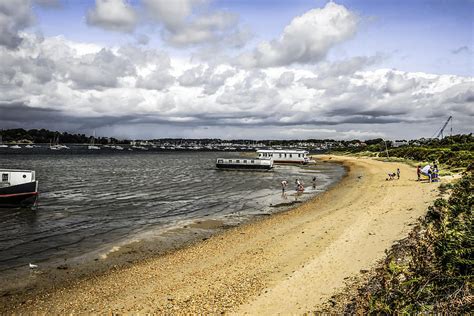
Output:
x,y
314,182
418,172
398,173
284,184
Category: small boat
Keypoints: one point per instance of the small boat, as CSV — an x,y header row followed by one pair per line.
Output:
x,y
18,188
244,164
54,145
92,145
2,145
15,147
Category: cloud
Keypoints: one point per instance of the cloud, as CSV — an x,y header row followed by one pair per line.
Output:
x,y
142,39
100,70
210,78
114,15
15,16
397,83
286,79
189,23
54,82
462,50
156,80
306,40
49,3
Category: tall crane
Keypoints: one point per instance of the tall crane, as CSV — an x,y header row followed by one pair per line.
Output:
x,y
440,134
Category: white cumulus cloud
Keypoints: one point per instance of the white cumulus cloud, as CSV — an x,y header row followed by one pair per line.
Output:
x,y
115,15
307,39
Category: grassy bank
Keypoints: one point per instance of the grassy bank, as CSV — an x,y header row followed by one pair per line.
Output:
x,y
454,152
429,271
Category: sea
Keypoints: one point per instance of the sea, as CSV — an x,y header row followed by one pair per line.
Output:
x,y
93,200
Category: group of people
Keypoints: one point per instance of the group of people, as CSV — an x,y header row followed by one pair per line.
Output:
x,y
299,185
432,172
391,176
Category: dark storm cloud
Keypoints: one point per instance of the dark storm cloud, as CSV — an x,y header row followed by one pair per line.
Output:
x,y
19,112
349,111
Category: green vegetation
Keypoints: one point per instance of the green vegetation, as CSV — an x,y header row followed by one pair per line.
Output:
x,y
456,152
432,269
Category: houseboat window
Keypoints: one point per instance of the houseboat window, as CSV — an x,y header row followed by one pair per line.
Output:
x,y
291,155
4,177
299,155
220,161
245,161
252,161
280,155
230,160
285,155
24,176
237,161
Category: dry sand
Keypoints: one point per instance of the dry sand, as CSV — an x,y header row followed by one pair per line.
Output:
x,y
283,264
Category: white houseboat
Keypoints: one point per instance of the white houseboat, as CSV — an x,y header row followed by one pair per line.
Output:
x,y
244,163
285,155
18,188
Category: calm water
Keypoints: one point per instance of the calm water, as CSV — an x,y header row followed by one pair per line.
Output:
x,y
91,200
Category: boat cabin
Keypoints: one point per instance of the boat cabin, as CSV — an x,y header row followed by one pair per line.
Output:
x,y
10,177
284,155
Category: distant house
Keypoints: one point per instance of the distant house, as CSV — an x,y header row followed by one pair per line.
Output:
x,y
399,143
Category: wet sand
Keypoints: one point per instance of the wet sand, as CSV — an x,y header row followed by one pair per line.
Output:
x,y
285,263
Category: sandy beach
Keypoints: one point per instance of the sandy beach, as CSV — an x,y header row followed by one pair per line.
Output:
x,y
286,263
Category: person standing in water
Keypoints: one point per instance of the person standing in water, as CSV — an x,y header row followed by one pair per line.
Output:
x,y
284,184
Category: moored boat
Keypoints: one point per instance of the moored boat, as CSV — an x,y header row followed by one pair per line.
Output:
x,y
244,164
18,188
2,145
285,156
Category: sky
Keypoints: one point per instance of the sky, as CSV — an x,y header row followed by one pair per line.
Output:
x,y
233,69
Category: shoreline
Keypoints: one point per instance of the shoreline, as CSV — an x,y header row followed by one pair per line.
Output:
x,y
242,269
21,284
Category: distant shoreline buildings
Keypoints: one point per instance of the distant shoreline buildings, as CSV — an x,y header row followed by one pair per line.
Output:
x,y
43,136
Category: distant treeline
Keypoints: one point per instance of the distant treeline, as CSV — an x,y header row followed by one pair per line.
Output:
x,y
37,136
45,136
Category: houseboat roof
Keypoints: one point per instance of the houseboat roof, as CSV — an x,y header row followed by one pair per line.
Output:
x,y
283,151
16,170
